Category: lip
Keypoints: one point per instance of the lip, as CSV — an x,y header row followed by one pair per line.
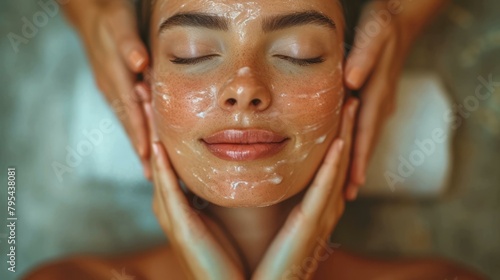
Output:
x,y
244,145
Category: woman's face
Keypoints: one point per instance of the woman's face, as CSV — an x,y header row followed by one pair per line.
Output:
x,y
247,94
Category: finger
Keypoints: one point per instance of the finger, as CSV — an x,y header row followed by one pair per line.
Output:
x,y
164,178
123,24
159,208
365,52
377,99
151,136
346,133
364,144
302,222
115,80
164,174
148,110
159,203
366,132
129,104
177,206
361,61
296,234
351,191
131,56
331,175
143,91
134,120
317,195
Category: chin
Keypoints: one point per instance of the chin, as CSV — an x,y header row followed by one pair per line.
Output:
x,y
241,194
248,201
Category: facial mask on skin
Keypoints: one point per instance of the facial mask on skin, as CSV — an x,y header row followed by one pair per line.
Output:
x,y
194,101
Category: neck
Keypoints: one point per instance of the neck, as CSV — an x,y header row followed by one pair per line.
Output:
x,y
252,230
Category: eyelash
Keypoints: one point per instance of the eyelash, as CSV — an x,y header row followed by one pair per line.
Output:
x,y
297,61
191,61
302,62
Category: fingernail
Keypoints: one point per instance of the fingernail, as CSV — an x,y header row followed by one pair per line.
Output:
x,y
155,149
136,59
354,193
340,145
354,77
141,92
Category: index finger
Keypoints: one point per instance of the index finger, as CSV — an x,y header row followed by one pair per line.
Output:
x,y
331,175
165,177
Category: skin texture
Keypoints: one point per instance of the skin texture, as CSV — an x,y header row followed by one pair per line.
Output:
x,y
259,243
191,102
160,261
118,54
198,242
246,64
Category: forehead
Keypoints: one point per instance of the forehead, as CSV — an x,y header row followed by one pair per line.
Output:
x,y
241,11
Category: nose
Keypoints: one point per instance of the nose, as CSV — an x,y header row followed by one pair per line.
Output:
x,y
244,92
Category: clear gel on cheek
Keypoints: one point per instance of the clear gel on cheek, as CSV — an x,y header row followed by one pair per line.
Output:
x,y
203,105
305,144
184,115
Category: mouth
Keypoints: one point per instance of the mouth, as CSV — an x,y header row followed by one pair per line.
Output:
x,y
244,145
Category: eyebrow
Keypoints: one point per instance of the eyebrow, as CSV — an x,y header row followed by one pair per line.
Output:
x,y
296,19
273,23
202,20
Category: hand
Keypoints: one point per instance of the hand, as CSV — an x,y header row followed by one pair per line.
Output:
x,y
202,255
110,34
314,218
374,66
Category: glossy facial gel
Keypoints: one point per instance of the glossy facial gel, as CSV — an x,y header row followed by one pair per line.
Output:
x,y
246,113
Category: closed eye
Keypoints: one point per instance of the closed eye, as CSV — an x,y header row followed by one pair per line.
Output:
x,y
301,61
193,60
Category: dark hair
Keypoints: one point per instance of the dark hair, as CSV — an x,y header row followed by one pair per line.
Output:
x,y
351,8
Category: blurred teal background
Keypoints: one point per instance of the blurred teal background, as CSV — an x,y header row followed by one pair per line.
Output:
x,y
48,103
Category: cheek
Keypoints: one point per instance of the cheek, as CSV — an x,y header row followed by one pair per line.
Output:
x,y
313,108
308,111
312,111
180,104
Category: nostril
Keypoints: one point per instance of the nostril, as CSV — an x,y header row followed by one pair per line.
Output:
x,y
231,101
256,102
